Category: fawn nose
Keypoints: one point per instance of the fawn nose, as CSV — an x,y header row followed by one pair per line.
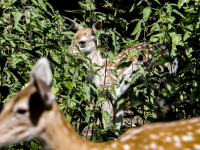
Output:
x,y
82,42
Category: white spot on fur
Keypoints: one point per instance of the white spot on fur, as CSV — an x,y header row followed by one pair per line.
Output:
x,y
198,131
178,144
134,138
114,145
126,147
146,147
154,137
161,68
196,146
160,148
194,120
161,134
187,138
132,132
189,127
153,145
190,133
168,139
176,138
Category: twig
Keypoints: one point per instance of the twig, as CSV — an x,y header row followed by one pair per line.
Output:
x,y
23,7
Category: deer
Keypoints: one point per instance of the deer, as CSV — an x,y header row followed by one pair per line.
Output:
x,y
34,113
84,38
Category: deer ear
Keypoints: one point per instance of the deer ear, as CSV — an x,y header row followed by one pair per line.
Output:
x,y
41,77
97,26
76,25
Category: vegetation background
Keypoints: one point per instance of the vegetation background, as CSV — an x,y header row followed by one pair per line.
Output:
x,y
30,29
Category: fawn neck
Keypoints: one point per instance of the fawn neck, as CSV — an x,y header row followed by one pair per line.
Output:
x,y
96,57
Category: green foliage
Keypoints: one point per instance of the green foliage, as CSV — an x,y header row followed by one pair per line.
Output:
x,y
33,29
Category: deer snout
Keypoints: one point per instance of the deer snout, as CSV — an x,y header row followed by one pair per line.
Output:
x,y
82,42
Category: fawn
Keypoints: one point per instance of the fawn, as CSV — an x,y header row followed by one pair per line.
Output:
x,y
87,44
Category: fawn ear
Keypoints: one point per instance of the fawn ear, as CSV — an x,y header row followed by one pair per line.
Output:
x,y
41,77
97,26
76,25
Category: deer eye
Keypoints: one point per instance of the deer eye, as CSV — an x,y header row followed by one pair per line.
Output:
x,y
21,111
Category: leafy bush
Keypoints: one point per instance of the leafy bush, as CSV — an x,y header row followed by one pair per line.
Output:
x,y
33,29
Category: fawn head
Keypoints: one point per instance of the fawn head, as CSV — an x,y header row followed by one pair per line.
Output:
x,y
84,38
21,119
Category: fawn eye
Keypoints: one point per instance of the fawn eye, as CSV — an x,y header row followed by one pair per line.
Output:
x,y
21,111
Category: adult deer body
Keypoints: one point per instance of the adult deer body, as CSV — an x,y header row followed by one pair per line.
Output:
x,y
85,40
33,113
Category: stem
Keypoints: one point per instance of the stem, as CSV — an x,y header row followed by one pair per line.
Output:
x,y
23,7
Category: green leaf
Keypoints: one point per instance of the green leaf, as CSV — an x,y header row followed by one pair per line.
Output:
x,y
113,39
94,89
176,39
121,101
100,99
123,64
155,38
106,117
86,89
114,72
135,77
69,118
88,115
161,61
111,56
178,13
55,89
82,5
34,2
41,3
197,15
99,32
61,106
157,2
146,12
69,85
94,72
141,68
50,6
138,34
17,17
134,6
138,27
180,3
34,145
